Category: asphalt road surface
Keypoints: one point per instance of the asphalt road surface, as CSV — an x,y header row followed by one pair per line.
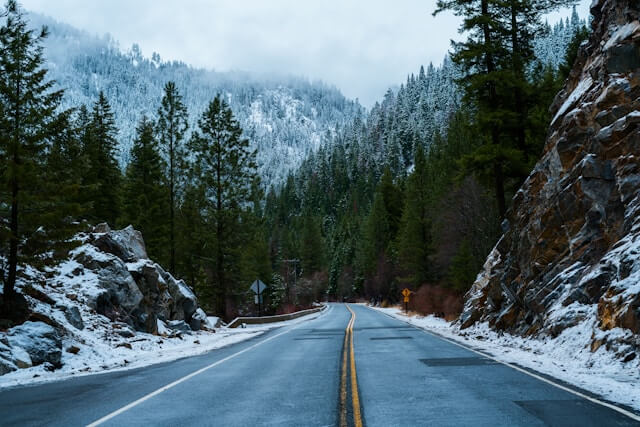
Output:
x,y
350,366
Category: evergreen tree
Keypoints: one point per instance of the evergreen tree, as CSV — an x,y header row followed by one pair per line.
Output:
x,y
464,268
392,199
62,184
311,245
480,58
104,177
171,128
224,169
28,120
415,244
145,192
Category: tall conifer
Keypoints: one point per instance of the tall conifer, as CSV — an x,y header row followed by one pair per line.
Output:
x,y
28,121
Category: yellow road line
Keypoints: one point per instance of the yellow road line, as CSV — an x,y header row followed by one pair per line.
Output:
x,y
343,383
357,416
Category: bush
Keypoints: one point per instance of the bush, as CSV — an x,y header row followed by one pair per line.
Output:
x,y
437,300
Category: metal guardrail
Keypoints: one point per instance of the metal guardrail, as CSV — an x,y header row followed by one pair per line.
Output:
x,y
238,321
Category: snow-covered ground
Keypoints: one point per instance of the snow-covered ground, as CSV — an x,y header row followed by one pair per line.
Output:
x,y
567,357
100,354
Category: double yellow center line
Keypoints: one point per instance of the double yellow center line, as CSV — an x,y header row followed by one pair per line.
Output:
x,y
349,367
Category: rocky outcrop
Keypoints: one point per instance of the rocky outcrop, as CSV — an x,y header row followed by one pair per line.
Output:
x,y
129,287
107,291
573,237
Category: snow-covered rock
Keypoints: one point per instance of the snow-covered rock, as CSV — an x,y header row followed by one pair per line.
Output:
x,y
199,320
114,288
127,244
72,314
178,325
40,341
571,256
103,296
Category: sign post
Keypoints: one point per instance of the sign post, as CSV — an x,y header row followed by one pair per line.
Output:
x,y
405,293
258,287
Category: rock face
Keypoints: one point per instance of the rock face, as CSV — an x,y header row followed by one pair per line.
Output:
x,y
572,248
131,288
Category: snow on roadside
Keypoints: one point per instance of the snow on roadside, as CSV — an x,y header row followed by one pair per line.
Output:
x,y
567,357
98,355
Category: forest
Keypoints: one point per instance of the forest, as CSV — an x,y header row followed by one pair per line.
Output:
x,y
414,194
410,194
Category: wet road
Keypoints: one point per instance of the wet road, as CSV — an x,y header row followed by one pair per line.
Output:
x,y
349,366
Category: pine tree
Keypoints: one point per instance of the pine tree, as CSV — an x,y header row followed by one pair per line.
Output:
x,y
415,241
171,128
464,268
480,58
224,169
311,245
65,166
523,21
28,120
144,191
392,199
104,178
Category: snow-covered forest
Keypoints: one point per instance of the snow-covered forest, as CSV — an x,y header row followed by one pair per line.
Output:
x,y
285,117
358,243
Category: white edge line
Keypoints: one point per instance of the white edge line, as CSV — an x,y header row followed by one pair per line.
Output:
x,y
191,375
517,368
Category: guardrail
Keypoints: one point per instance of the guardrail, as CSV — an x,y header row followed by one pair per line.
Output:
x,y
271,319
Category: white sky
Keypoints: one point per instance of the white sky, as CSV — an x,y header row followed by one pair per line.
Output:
x,y
361,46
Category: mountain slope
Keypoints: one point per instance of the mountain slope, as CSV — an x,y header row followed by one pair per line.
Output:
x,y
286,118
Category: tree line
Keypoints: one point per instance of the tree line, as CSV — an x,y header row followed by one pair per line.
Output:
x,y
196,200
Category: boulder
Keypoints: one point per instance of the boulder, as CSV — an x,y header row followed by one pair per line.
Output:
x,y
199,320
41,342
127,244
7,361
73,316
21,358
157,301
184,300
103,227
178,325
6,366
115,287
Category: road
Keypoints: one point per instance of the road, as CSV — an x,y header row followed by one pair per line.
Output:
x,y
349,366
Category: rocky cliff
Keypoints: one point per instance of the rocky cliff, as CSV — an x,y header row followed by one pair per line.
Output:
x,y
571,252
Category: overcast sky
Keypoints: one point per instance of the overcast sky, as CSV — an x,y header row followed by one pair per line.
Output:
x,y
361,46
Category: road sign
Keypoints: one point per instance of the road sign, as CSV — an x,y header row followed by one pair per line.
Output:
x,y
258,287
405,293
